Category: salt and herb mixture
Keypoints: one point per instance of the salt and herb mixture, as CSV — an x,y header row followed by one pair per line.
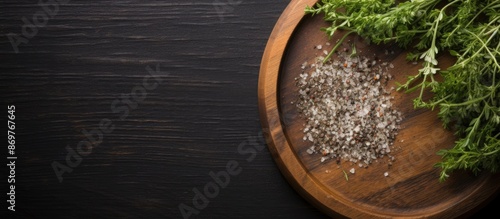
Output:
x,y
349,115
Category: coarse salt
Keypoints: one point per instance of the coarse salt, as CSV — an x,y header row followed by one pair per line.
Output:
x,y
347,111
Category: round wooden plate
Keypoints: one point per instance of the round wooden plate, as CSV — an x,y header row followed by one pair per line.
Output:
x,y
412,189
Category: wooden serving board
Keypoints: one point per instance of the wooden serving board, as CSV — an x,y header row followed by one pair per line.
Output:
x,y
412,189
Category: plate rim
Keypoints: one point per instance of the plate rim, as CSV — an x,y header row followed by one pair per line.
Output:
x,y
269,112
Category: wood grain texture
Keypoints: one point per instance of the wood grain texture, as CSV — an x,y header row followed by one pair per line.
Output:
x,y
66,78
412,188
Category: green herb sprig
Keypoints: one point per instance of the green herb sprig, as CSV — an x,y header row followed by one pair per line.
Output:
x,y
468,96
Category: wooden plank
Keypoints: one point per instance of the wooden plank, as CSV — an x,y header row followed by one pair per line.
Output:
x,y
65,79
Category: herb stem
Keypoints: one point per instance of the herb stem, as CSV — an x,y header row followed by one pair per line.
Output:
x,y
337,46
469,102
485,46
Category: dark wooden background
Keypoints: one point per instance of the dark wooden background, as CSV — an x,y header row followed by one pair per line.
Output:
x,y
66,78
